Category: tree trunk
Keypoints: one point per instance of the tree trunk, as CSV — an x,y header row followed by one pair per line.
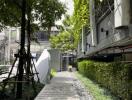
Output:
x,y
22,52
49,30
28,46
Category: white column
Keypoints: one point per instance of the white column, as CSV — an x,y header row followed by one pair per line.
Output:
x,y
9,45
92,23
18,34
122,12
67,61
82,40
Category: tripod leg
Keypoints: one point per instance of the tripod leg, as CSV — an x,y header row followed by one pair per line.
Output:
x,y
35,70
32,80
25,68
12,68
5,83
13,90
33,84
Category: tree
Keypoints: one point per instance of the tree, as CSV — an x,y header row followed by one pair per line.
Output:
x,y
22,51
47,12
16,12
62,41
9,14
72,25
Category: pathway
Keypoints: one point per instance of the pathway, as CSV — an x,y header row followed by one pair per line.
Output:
x,y
64,86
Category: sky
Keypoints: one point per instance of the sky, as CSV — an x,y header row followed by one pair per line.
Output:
x,y
69,5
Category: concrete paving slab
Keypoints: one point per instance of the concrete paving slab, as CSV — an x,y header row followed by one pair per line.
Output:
x,y
64,86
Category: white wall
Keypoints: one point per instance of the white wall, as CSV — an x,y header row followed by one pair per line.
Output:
x,y
122,12
55,59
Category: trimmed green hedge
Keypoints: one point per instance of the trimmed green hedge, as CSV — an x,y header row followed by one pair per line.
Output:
x,y
115,76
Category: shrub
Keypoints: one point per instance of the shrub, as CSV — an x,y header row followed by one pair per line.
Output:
x,y
53,72
115,76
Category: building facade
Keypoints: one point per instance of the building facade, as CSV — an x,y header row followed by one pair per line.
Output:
x,y
110,35
10,43
43,40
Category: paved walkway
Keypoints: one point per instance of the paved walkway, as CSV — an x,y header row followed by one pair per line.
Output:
x,y
64,86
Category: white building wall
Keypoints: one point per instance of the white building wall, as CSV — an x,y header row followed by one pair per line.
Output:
x,y
12,46
122,13
55,62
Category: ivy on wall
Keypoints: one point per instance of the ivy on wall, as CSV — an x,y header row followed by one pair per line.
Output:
x,y
80,17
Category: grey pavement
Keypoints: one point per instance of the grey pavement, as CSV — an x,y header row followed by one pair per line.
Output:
x,y
64,86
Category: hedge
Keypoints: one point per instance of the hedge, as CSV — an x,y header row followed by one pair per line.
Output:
x,y
115,76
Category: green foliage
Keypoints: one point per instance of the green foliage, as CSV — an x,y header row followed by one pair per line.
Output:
x,y
97,92
114,76
46,12
9,14
62,41
81,13
53,72
80,17
72,26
